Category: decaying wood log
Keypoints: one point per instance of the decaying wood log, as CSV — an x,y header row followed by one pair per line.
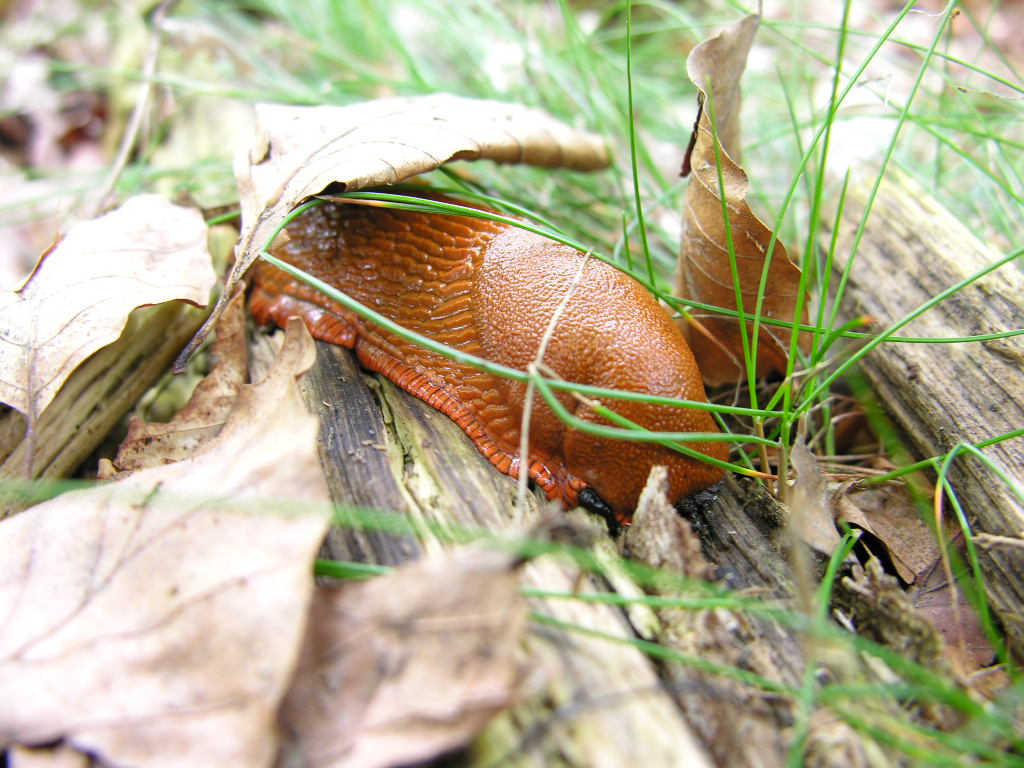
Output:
x,y
100,391
941,395
597,702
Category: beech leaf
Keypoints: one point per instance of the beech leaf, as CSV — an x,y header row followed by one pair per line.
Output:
x,y
408,666
705,272
299,152
80,294
151,444
155,621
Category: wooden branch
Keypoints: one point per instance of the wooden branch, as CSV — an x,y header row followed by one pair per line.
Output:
x,y
945,394
740,724
596,702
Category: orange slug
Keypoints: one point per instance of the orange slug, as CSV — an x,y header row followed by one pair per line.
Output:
x,y
491,289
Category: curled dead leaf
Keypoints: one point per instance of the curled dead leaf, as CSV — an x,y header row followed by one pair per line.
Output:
x,y
809,503
155,620
299,152
705,272
965,645
80,294
151,444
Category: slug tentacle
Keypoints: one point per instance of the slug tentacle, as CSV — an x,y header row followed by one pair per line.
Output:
x,y
491,289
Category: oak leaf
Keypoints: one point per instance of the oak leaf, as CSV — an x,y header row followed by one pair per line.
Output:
x,y
704,271
156,621
80,294
299,152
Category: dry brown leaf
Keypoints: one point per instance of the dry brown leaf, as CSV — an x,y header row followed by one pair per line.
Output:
x,y
890,515
299,152
966,647
151,444
809,502
156,620
58,756
403,668
705,272
79,296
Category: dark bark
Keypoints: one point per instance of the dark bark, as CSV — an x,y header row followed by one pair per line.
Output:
x,y
600,702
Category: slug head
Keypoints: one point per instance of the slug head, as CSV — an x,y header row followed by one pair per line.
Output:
x,y
617,470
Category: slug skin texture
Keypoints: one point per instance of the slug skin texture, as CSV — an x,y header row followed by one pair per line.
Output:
x,y
490,289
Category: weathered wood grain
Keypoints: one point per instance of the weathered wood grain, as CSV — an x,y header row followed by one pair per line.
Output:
x,y
942,395
593,702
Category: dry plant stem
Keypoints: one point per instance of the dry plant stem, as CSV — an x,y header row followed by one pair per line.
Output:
x,y
804,579
524,431
947,566
941,395
987,541
96,396
800,563
762,450
131,132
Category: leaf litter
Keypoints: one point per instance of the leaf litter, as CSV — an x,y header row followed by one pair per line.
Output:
x,y
80,294
151,444
128,654
383,712
157,620
933,622
408,666
128,658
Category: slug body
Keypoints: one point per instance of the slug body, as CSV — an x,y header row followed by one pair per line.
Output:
x,y
491,289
